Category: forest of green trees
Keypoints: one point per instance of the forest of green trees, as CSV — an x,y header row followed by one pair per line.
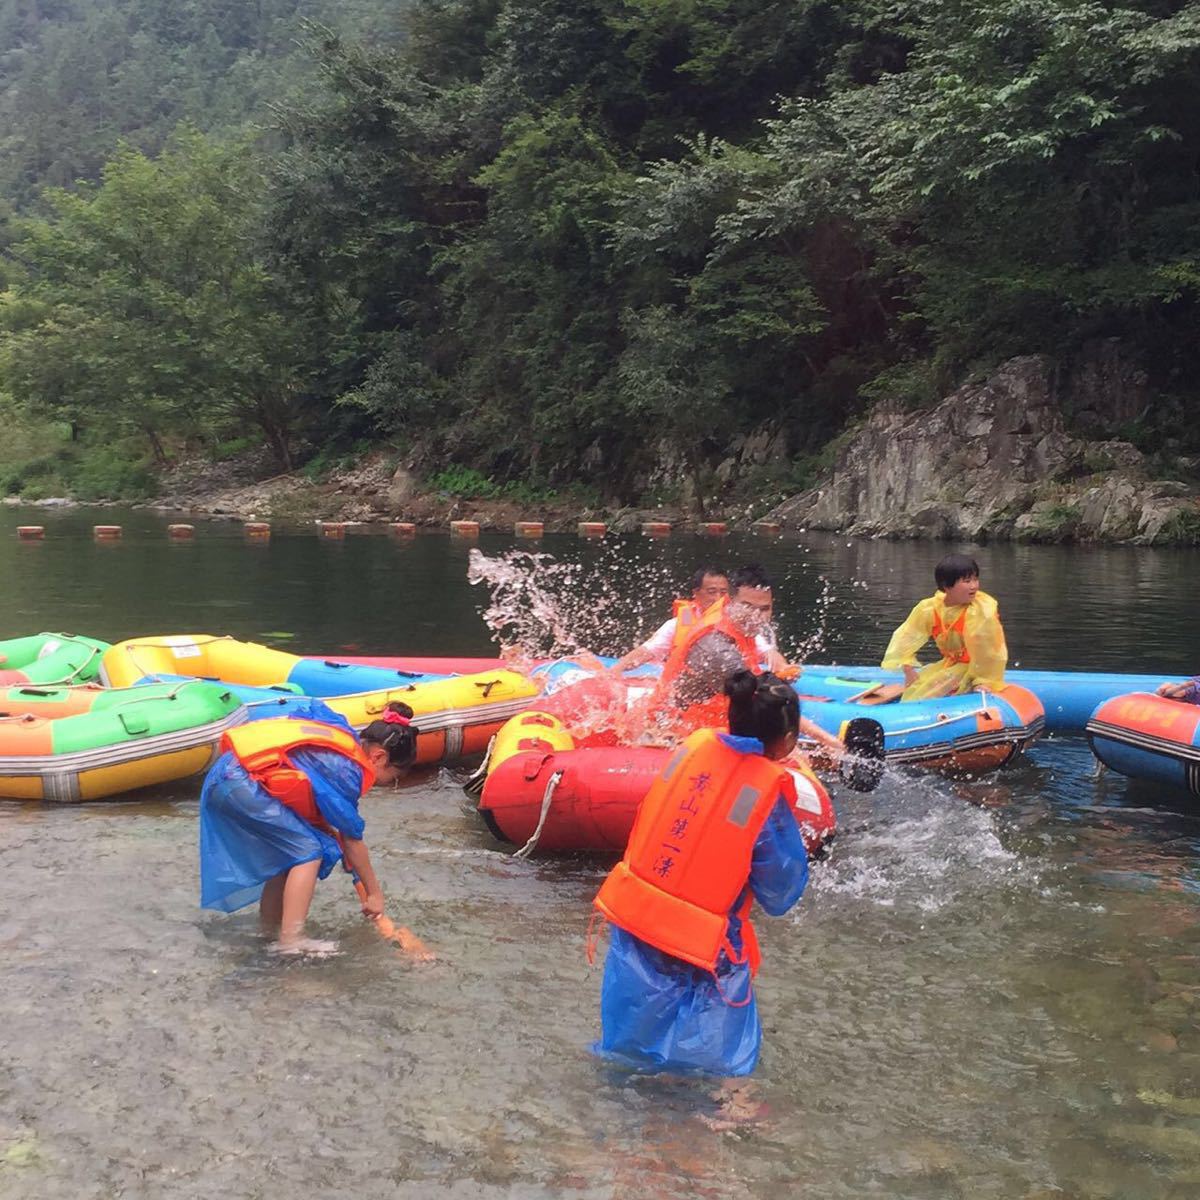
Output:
x,y
540,238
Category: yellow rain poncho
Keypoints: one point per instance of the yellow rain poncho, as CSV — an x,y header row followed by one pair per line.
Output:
x,y
970,638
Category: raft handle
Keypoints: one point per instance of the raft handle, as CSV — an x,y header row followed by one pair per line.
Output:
x,y
134,723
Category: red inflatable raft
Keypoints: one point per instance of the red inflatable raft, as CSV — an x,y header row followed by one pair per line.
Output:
x,y
544,795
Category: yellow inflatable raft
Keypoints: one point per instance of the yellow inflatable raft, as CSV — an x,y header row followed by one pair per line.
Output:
x,y
456,715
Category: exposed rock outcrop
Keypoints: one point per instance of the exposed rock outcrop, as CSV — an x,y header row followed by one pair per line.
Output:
x,y
995,459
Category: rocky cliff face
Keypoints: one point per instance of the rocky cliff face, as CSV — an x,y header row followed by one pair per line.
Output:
x,y
996,459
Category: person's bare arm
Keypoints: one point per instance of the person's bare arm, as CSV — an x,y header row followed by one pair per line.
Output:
x,y
359,861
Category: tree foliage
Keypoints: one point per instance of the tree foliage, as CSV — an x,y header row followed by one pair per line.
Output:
x,y
79,76
550,239
142,303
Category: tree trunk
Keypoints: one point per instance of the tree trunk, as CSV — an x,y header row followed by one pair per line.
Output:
x,y
697,486
160,455
279,441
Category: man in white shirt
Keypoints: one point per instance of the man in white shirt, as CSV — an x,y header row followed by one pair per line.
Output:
x,y
709,584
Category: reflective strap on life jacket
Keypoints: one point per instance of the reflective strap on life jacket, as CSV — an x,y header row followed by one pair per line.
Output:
x,y
688,858
687,614
264,749
689,610
940,629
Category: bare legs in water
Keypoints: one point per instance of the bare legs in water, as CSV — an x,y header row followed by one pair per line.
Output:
x,y
284,906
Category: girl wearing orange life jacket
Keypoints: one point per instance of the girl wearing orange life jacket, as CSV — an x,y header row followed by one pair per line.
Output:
x,y
715,832
279,809
964,624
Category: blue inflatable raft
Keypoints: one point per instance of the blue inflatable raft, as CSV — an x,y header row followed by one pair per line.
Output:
x,y
975,732
1148,737
1068,697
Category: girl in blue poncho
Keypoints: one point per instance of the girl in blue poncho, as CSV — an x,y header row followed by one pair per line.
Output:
x,y
715,833
279,810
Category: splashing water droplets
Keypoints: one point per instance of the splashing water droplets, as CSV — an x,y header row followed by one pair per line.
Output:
x,y
540,607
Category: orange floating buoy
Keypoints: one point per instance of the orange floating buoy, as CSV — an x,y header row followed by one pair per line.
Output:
x,y
767,527
403,528
106,533
464,528
529,529
181,533
257,531
714,528
31,533
656,528
592,528
331,529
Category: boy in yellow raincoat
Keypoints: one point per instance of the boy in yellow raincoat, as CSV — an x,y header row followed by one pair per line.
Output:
x,y
965,625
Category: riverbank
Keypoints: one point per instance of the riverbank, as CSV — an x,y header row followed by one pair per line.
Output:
x,y
1019,456
373,490
997,460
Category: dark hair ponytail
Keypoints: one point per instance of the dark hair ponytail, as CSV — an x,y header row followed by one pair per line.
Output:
x,y
394,733
762,706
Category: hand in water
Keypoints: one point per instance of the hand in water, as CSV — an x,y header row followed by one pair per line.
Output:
x,y
372,906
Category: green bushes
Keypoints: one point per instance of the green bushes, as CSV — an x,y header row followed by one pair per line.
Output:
x,y
467,483
38,460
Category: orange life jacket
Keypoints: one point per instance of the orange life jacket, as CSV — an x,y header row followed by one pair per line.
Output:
x,y
264,749
713,711
953,654
687,614
688,857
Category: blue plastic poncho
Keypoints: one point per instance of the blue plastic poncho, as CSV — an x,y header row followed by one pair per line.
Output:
x,y
298,708
248,837
658,1013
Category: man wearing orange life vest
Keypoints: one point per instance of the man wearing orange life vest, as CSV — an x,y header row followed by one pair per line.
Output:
x,y
709,584
964,623
715,832
279,809
728,637
722,641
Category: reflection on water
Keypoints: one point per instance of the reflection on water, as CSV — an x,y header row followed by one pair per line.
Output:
x,y
990,991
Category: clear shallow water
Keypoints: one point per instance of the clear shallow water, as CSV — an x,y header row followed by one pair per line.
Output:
x,y
990,989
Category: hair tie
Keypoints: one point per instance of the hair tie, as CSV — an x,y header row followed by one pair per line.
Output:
x,y
391,717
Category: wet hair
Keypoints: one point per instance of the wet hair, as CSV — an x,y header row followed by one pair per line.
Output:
x,y
701,573
762,706
400,741
751,575
954,567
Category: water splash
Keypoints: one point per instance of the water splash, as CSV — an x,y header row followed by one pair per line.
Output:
x,y
801,649
921,848
540,607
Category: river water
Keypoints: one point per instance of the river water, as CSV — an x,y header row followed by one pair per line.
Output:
x,y
989,990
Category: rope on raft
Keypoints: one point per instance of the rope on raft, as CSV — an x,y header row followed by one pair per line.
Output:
x,y
531,845
475,782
